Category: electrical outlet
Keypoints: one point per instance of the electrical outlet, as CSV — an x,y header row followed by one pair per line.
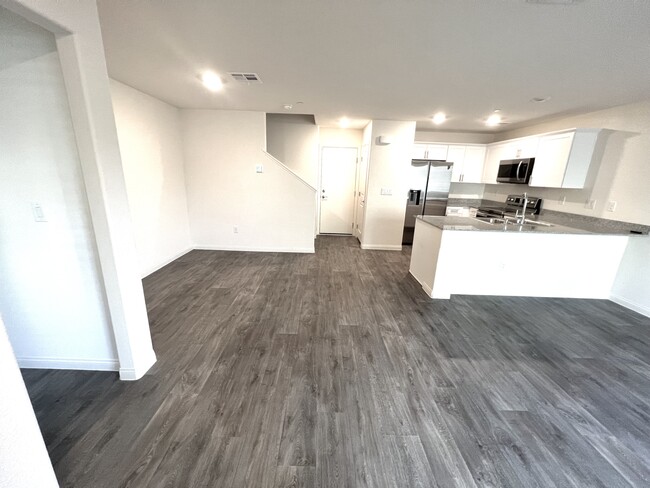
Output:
x,y
235,229
259,168
563,200
611,206
590,204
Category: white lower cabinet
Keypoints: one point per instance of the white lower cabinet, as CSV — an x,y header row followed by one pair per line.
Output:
x,y
563,159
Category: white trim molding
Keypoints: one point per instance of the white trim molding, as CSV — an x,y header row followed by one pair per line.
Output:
x,y
167,261
381,247
69,363
637,307
307,250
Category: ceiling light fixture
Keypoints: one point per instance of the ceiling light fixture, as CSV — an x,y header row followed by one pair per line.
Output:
x,y
439,118
288,106
211,81
494,119
344,123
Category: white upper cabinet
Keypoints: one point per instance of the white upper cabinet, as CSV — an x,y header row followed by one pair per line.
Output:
x,y
468,163
495,153
456,155
473,164
419,151
563,159
526,147
430,151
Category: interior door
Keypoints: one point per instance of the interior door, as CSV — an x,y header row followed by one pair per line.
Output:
x,y
338,165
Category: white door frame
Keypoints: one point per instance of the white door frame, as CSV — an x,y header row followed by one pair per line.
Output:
x,y
320,181
361,185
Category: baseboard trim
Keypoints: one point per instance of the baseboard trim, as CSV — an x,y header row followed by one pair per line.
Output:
x,y
304,250
167,261
427,289
624,302
381,247
69,363
132,374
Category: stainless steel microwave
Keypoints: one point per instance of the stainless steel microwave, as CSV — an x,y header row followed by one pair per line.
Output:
x,y
515,170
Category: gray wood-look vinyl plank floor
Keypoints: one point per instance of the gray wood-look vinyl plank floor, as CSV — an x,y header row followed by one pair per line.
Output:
x,y
335,370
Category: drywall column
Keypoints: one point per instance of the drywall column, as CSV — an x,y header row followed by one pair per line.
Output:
x,y
24,462
81,51
386,192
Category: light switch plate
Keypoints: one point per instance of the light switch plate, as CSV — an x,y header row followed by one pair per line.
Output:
x,y
386,191
37,211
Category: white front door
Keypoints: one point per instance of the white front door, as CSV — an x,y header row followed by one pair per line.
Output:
x,y
338,167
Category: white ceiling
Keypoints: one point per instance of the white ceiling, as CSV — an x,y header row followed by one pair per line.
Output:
x,y
386,59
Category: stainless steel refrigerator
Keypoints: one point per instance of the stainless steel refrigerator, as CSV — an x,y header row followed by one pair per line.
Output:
x,y
429,183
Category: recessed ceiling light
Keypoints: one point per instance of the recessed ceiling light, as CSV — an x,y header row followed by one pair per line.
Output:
x,y
288,106
344,123
540,99
439,118
211,81
494,119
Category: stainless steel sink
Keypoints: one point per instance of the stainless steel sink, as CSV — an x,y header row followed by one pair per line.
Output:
x,y
506,221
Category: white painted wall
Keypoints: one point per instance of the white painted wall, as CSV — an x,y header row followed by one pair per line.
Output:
x,y
333,137
273,210
293,140
24,462
454,137
75,24
623,176
632,286
149,133
51,290
388,165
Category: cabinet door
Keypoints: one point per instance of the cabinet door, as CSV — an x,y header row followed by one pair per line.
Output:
x,y
456,155
419,151
437,152
495,153
473,164
523,148
551,161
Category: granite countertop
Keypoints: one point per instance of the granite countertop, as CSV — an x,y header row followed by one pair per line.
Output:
x,y
473,224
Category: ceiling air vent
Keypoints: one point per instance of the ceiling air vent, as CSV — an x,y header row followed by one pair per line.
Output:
x,y
246,77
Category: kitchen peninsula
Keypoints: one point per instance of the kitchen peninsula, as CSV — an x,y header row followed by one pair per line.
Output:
x,y
464,255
